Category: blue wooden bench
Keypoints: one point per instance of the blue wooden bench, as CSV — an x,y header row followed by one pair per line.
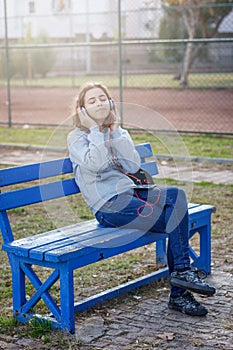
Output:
x,y
67,248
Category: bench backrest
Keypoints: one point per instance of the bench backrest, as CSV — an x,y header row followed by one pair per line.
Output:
x,y
57,185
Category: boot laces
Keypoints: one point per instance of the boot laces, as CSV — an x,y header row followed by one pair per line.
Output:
x,y
202,274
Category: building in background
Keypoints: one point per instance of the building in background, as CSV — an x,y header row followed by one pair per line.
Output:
x,y
72,19
74,32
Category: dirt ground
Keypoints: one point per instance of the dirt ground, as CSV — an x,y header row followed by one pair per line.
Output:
x,y
208,110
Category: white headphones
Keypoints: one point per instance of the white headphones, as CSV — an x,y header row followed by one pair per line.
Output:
x,y
111,103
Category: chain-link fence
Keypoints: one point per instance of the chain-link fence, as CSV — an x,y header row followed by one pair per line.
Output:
x,y
174,60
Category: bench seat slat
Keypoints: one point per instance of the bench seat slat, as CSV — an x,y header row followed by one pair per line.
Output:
x,y
78,237
112,244
201,209
61,242
84,243
102,238
52,236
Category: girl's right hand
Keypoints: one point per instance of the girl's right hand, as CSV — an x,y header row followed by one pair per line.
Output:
x,y
116,119
85,119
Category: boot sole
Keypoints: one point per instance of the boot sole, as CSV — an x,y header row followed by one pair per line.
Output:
x,y
192,287
190,313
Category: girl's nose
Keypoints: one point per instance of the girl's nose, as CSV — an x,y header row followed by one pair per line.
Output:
x,y
99,102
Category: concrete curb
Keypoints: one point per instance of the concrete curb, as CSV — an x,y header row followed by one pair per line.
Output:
x,y
32,147
196,159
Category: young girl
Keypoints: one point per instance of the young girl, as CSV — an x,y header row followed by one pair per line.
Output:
x,y
102,154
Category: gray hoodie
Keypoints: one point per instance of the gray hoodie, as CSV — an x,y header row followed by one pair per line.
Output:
x,y
100,160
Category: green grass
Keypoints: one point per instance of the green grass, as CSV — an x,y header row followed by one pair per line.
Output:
x,y
204,80
212,146
204,145
209,146
7,323
25,136
222,80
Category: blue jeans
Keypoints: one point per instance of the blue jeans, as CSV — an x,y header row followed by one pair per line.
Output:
x,y
162,209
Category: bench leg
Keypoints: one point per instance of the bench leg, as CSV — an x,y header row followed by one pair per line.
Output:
x,y
22,306
161,254
203,261
205,248
67,299
18,285
65,315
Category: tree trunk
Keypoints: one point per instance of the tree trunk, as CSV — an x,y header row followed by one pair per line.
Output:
x,y
190,16
186,65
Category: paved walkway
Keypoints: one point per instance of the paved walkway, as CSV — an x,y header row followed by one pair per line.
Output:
x,y
142,321
197,171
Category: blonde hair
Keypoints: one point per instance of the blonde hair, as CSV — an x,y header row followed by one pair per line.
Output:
x,y
79,99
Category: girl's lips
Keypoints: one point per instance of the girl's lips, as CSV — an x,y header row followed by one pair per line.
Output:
x,y
100,109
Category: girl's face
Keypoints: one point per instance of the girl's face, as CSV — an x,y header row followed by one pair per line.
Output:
x,y
97,105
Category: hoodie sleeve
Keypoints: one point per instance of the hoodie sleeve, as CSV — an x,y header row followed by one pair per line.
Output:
x,y
93,150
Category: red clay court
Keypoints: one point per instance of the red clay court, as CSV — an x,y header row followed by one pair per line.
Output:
x,y
207,110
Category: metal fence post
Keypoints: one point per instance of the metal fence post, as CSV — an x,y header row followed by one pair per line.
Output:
x,y
120,60
7,66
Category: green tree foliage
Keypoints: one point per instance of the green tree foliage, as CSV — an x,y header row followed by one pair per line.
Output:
x,y
42,58
171,28
3,66
32,61
201,19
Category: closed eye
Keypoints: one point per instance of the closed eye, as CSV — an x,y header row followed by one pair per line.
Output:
x,y
91,100
102,98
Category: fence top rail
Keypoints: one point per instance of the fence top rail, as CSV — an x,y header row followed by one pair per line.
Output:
x,y
115,43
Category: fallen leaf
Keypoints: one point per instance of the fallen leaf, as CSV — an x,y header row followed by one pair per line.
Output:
x,y
166,336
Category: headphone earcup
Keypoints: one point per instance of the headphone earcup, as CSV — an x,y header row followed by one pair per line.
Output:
x,y
83,110
111,103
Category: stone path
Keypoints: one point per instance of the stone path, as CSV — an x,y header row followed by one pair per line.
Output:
x,y
147,323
